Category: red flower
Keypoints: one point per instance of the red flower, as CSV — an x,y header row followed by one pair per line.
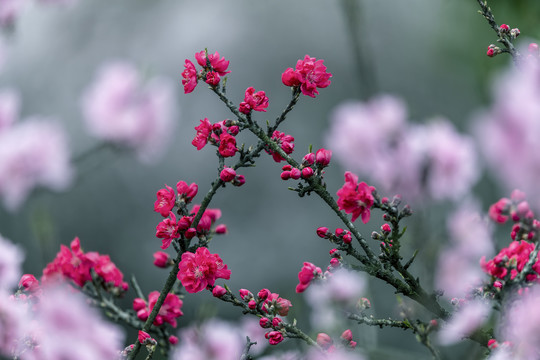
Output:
x,y
257,101
356,198
219,65
203,132
200,269
167,230
189,76
286,142
310,74
169,311
165,201
227,145
306,275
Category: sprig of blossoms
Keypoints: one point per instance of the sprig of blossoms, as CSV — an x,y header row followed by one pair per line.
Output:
x,y
309,74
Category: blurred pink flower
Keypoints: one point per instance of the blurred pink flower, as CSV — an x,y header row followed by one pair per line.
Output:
x,y
508,131
14,324
11,258
9,10
32,153
458,270
121,108
468,318
375,140
213,340
66,327
521,325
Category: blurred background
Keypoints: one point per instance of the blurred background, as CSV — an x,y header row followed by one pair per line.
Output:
x,y
430,53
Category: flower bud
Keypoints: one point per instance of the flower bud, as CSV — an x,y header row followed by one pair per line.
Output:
x,y
227,174
252,304
221,229
307,172
295,173
290,78
504,28
324,340
286,175
138,304
347,238
29,282
322,157
173,340
276,321
161,259
274,337
263,294
264,322
347,335
239,180
246,294
218,291
386,228
309,159
190,233
322,231
234,130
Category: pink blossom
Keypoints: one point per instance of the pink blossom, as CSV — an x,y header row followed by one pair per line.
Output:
x,y
218,291
165,201
227,145
227,174
219,65
15,324
186,192
169,311
189,77
200,269
306,275
167,230
285,142
508,131
203,132
173,340
213,340
467,319
307,172
74,264
324,340
322,157
9,10
161,259
274,337
512,258
212,78
355,198
520,325
310,73
118,107
143,336
257,101
32,153
66,327
11,258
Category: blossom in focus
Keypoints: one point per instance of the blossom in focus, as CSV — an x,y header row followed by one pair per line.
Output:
x,y
33,153
285,142
306,275
165,201
257,101
189,77
355,198
203,132
122,109
310,74
169,311
200,269
167,230
219,65
74,264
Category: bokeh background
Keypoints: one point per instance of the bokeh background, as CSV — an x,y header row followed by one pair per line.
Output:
x,y
430,53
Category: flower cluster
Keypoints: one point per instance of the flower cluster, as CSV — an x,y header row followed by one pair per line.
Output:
x,y
312,164
213,66
169,311
308,273
309,74
201,269
417,161
72,263
221,134
285,142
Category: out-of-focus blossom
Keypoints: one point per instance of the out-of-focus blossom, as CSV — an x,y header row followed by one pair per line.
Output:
x,y
66,327
120,108
521,326
32,153
9,108
15,321
9,10
468,318
470,239
11,258
375,140
508,131
214,340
